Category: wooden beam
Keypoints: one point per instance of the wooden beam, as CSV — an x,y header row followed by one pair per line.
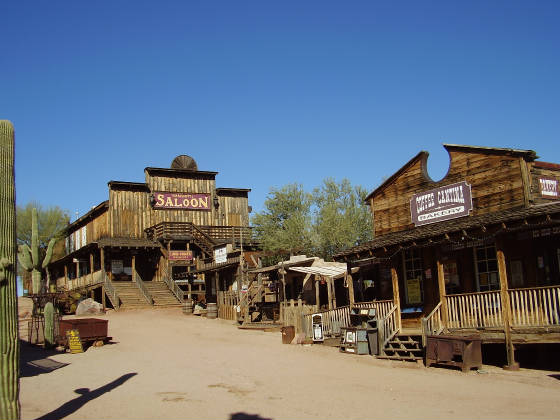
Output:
x,y
134,268
442,297
350,283
317,302
506,310
396,296
329,291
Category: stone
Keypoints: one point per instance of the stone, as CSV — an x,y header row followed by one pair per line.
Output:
x,y
89,307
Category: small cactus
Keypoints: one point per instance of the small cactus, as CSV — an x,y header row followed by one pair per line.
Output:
x,y
49,313
29,257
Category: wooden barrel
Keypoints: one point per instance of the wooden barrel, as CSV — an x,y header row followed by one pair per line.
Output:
x,y
212,311
188,307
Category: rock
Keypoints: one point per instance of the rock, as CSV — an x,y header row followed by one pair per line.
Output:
x,y
89,307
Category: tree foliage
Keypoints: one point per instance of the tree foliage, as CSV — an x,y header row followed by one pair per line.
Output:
x,y
284,227
51,223
321,223
342,219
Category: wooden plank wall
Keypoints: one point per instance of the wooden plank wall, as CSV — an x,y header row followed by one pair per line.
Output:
x,y
496,182
536,172
233,211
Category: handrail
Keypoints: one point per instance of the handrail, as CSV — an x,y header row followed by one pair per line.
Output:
x,y
432,324
175,289
145,292
388,328
203,240
111,292
535,307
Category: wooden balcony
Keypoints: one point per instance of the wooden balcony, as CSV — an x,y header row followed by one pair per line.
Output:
x,y
82,282
186,231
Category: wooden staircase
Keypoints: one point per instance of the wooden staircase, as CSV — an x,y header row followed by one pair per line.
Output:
x,y
130,296
162,296
403,347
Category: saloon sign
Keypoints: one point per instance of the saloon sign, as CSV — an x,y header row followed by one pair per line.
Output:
x,y
181,201
443,203
548,187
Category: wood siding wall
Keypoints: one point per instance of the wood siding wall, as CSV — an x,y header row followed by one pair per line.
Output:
x,y
496,182
233,211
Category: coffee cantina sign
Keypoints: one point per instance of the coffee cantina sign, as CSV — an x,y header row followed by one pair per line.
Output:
x,y
180,201
439,204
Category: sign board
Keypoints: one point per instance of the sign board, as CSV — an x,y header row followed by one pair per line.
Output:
x,y
220,255
182,255
117,266
74,341
548,187
443,203
413,291
181,201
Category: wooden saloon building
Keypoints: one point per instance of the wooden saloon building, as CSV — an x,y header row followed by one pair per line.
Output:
x,y
476,253
173,237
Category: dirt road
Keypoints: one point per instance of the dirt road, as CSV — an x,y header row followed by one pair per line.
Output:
x,y
165,365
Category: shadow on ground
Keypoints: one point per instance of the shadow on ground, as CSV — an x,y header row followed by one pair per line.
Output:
x,y
85,396
34,360
246,416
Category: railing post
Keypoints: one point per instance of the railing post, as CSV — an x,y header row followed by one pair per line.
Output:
x,y
381,335
442,295
506,310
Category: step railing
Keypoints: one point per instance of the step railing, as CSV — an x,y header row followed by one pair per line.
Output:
x,y
535,307
203,241
174,287
388,328
111,293
145,293
432,324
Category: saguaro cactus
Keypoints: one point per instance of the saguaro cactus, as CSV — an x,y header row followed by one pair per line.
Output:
x,y
9,343
48,313
30,258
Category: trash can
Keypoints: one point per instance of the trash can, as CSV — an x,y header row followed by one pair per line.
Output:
x,y
373,339
288,334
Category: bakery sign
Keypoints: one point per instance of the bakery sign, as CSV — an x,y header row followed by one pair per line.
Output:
x,y
548,187
443,203
180,201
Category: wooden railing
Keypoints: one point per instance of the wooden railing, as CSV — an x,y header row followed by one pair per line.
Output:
x,y
82,282
535,307
227,304
382,307
474,310
234,234
144,291
174,287
111,293
432,324
388,327
295,312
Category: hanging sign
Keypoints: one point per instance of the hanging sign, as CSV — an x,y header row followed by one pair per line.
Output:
x,y
74,341
180,201
220,255
548,187
180,255
443,203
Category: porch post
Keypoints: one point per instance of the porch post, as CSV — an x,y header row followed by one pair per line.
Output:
x,y
329,292
134,268
350,283
104,276
396,296
506,311
316,283
442,297
333,292
91,267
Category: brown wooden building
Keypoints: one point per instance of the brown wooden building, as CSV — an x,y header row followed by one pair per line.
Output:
x,y
477,252
156,242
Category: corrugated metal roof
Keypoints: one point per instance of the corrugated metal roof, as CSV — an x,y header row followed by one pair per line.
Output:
x,y
330,271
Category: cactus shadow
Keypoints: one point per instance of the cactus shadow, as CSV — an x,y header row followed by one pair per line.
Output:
x,y
85,395
34,360
247,416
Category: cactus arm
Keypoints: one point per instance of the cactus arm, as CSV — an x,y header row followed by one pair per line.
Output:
x,y
48,256
34,238
24,254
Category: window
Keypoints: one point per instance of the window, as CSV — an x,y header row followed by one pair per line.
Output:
x,y
486,266
414,290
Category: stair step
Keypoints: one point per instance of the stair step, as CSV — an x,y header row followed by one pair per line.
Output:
x,y
403,350
404,358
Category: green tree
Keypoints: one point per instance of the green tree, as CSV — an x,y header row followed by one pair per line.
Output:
x,y
285,226
342,219
51,224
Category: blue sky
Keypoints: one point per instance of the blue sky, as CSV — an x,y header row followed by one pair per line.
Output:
x,y
269,93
